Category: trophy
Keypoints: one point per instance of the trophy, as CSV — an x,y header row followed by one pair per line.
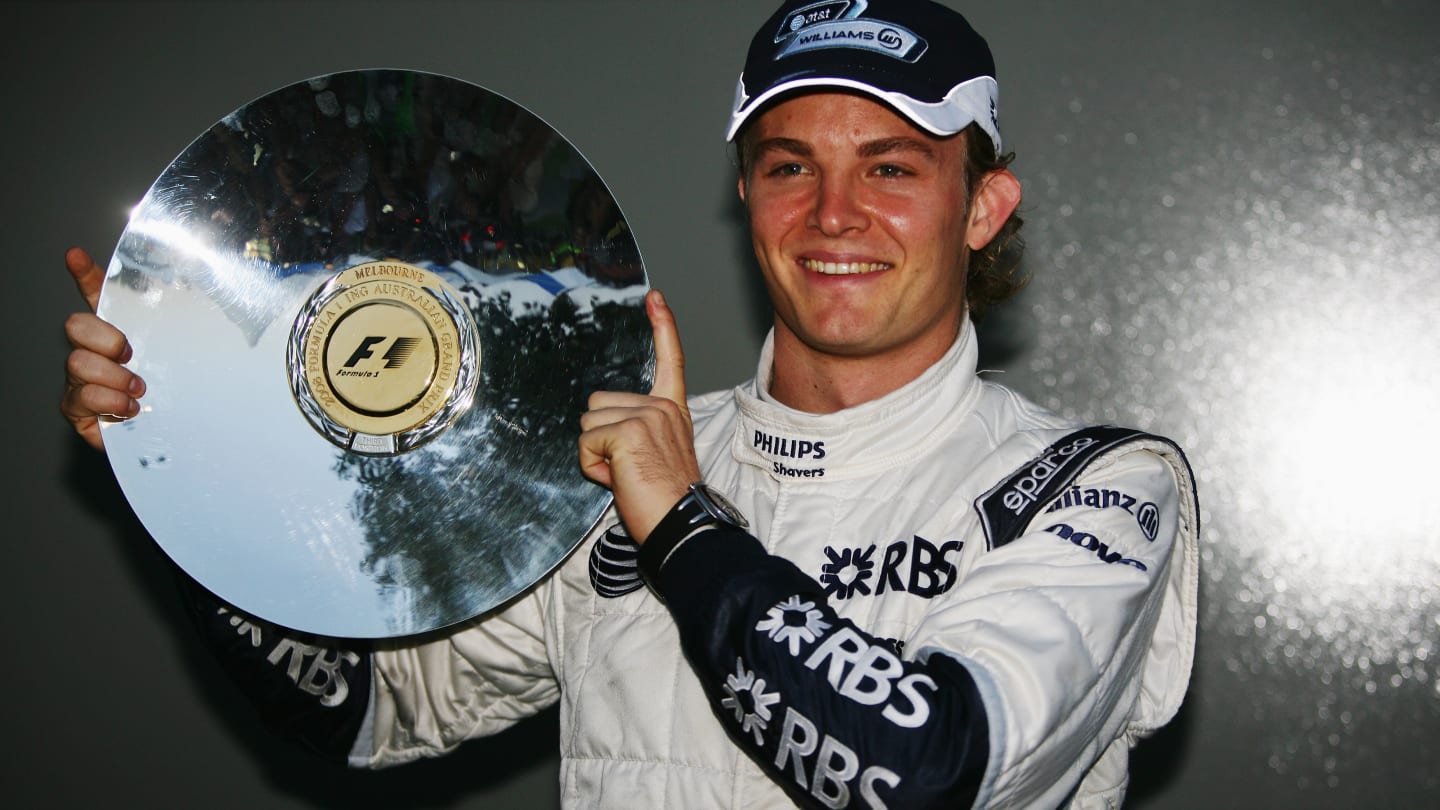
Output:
x,y
370,308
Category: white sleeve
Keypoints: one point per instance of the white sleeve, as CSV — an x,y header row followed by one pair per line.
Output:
x,y
1080,633
478,680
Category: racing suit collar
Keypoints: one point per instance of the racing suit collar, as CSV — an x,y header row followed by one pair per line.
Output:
x,y
891,430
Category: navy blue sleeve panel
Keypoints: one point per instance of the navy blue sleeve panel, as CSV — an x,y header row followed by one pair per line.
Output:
x,y
310,690
829,711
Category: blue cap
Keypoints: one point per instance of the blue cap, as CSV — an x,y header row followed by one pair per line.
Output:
x,y
919,57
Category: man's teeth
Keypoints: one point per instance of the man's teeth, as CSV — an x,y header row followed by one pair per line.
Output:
x,y
842,268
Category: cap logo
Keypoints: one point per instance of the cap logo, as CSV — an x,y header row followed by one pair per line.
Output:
x,y
814,14
837,24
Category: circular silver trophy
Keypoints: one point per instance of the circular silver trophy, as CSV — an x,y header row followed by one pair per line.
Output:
x,y
370,308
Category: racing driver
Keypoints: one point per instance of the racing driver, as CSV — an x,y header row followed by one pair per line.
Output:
x,y
866,577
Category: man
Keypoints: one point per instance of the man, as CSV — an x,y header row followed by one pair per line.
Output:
x,y
927,591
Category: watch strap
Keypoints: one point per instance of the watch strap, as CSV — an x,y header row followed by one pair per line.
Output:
x,y
685,518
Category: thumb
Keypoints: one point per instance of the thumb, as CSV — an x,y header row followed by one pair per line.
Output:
x,y
669,357
87,274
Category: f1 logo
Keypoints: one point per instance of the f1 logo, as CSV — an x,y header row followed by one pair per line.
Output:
x,y
399,352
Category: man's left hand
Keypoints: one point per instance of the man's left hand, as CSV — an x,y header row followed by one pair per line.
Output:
x,y
642,447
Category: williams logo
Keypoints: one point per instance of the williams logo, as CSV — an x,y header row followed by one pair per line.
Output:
x,y
841,24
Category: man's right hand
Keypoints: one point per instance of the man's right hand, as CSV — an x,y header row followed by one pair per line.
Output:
x,y
97,385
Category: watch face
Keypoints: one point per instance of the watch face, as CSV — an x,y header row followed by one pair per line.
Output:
x,y
718,505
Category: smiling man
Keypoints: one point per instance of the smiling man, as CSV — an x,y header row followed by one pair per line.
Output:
x,y
862,226
904,600
874,579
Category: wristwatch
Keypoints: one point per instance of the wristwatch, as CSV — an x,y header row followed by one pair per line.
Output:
x,y
700,508
715,505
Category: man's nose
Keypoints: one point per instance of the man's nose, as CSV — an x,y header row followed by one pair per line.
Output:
x,y
837,207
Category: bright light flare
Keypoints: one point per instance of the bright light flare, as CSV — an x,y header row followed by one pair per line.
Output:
x,y
1345,422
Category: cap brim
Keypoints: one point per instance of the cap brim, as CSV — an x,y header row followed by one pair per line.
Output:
x,y
970,102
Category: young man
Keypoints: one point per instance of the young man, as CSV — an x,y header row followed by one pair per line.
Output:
x,y
874,579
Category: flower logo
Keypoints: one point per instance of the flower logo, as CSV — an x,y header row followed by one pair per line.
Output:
x,y
793,622
754,719
847,571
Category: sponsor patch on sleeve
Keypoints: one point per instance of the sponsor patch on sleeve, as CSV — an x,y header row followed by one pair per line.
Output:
x,y
1012,503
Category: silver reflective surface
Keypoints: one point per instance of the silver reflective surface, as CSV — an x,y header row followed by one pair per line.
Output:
x,y
220,257
1110,106
1235,245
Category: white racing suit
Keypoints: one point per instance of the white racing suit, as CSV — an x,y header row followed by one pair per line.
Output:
x,y
954,597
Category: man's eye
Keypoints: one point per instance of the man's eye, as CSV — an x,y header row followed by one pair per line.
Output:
x,y
786,170
890,170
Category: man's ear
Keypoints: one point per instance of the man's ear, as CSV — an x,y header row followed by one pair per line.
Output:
x,y
740,186
991,206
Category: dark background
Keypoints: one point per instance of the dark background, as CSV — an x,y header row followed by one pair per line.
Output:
x,y
1233,222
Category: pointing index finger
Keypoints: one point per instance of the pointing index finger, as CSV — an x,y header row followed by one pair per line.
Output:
x,y
669,357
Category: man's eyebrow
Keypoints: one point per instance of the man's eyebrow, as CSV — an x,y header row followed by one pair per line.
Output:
x,y
886,146
788,145
869,149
